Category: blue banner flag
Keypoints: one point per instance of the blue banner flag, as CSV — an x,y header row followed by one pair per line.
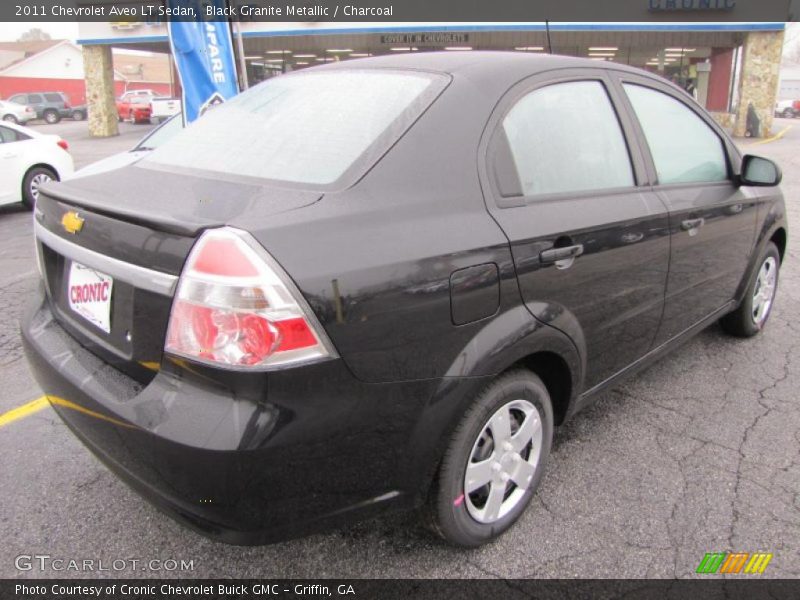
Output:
x,y
203,53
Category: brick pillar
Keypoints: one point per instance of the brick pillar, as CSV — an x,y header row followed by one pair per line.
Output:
x,y
98,67
761,59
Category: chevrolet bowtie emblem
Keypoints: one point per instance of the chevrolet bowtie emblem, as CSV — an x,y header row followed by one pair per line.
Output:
x,y
71,222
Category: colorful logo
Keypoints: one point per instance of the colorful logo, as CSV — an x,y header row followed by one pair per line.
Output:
x,y
734,563
72,222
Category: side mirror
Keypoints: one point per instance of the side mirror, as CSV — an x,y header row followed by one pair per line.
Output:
x,y
759,171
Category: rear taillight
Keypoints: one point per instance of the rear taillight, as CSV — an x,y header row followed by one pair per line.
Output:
x,y
236,308
63,144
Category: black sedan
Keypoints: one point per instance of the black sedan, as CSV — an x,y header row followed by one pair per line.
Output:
x,y
381,284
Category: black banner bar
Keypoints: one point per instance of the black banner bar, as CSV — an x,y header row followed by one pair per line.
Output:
x,y
743,588
387,11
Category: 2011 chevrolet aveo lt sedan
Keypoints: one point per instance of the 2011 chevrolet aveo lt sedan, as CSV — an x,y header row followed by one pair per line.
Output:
x,y
379,285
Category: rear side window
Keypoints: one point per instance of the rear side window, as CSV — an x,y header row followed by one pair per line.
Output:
x,y
8,135
566,138
684,148
307,128
53,98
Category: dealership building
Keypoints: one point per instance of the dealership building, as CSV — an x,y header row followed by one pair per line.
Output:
x,y
728,66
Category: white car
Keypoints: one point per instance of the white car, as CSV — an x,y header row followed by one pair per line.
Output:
x,y
29,159
12,112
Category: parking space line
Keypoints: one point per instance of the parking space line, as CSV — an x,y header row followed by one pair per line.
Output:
x,y
23,411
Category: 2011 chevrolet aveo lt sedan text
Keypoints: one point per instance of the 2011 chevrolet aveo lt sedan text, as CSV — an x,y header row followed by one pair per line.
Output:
x,y
380,284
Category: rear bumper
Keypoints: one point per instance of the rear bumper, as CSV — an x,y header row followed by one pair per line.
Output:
x,y
257,458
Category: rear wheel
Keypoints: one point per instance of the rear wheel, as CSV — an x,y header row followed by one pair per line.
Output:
x,y
752,314
34,179
10,119
788,113
51,116
494,462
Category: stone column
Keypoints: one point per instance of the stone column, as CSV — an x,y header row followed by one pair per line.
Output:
x,y
758,85
98,67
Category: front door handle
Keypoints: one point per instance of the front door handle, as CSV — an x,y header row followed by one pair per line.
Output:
x,y
556,254
690,224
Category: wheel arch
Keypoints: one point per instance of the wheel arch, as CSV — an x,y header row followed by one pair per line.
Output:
x,y
778,238
512,340
42,165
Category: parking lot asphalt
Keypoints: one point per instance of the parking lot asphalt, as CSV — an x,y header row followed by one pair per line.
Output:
x,y
699,453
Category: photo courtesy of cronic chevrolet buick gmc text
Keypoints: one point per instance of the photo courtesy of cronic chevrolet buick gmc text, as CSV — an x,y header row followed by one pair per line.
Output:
x,y
380,284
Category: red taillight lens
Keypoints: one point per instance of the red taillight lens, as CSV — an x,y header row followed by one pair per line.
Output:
x,y
63,144
236,308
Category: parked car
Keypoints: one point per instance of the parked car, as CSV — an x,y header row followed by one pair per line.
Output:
x,y
226,322
79,113
788,109
163,107
11,112
147,93
134,108
50,106
150,142
28,159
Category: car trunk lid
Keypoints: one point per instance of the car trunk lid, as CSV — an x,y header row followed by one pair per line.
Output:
x,y
132,230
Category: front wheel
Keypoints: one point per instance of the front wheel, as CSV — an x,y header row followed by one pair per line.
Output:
x,y
752,314
10,119
78,115
34,179
788,113
494,461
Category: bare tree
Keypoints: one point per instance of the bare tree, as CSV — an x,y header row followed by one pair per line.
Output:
x,y
34,34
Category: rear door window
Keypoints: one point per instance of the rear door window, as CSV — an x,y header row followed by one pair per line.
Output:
x,y
566,137
35,98
305,128
54,98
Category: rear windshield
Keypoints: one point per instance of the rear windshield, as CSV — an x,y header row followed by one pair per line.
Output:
x,y
306,128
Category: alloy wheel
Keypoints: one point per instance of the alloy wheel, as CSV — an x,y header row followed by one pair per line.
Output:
x,y
36,182
764,290
503,461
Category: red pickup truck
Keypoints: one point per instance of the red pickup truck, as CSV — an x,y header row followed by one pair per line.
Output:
x,y
134,108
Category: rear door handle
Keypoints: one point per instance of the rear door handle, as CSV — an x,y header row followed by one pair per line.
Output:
x,y
556,254
690,224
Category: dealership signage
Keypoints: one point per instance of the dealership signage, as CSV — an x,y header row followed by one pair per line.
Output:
x,y
693,5
425,39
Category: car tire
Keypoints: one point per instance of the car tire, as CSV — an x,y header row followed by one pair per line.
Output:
x,y
78,115
51,117
31,182
787,113
469,518
10,119
752,314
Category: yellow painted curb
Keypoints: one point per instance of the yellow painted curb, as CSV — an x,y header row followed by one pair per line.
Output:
x,y
775,137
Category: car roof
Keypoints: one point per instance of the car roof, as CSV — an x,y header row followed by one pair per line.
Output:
x,y
26,130
487,66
